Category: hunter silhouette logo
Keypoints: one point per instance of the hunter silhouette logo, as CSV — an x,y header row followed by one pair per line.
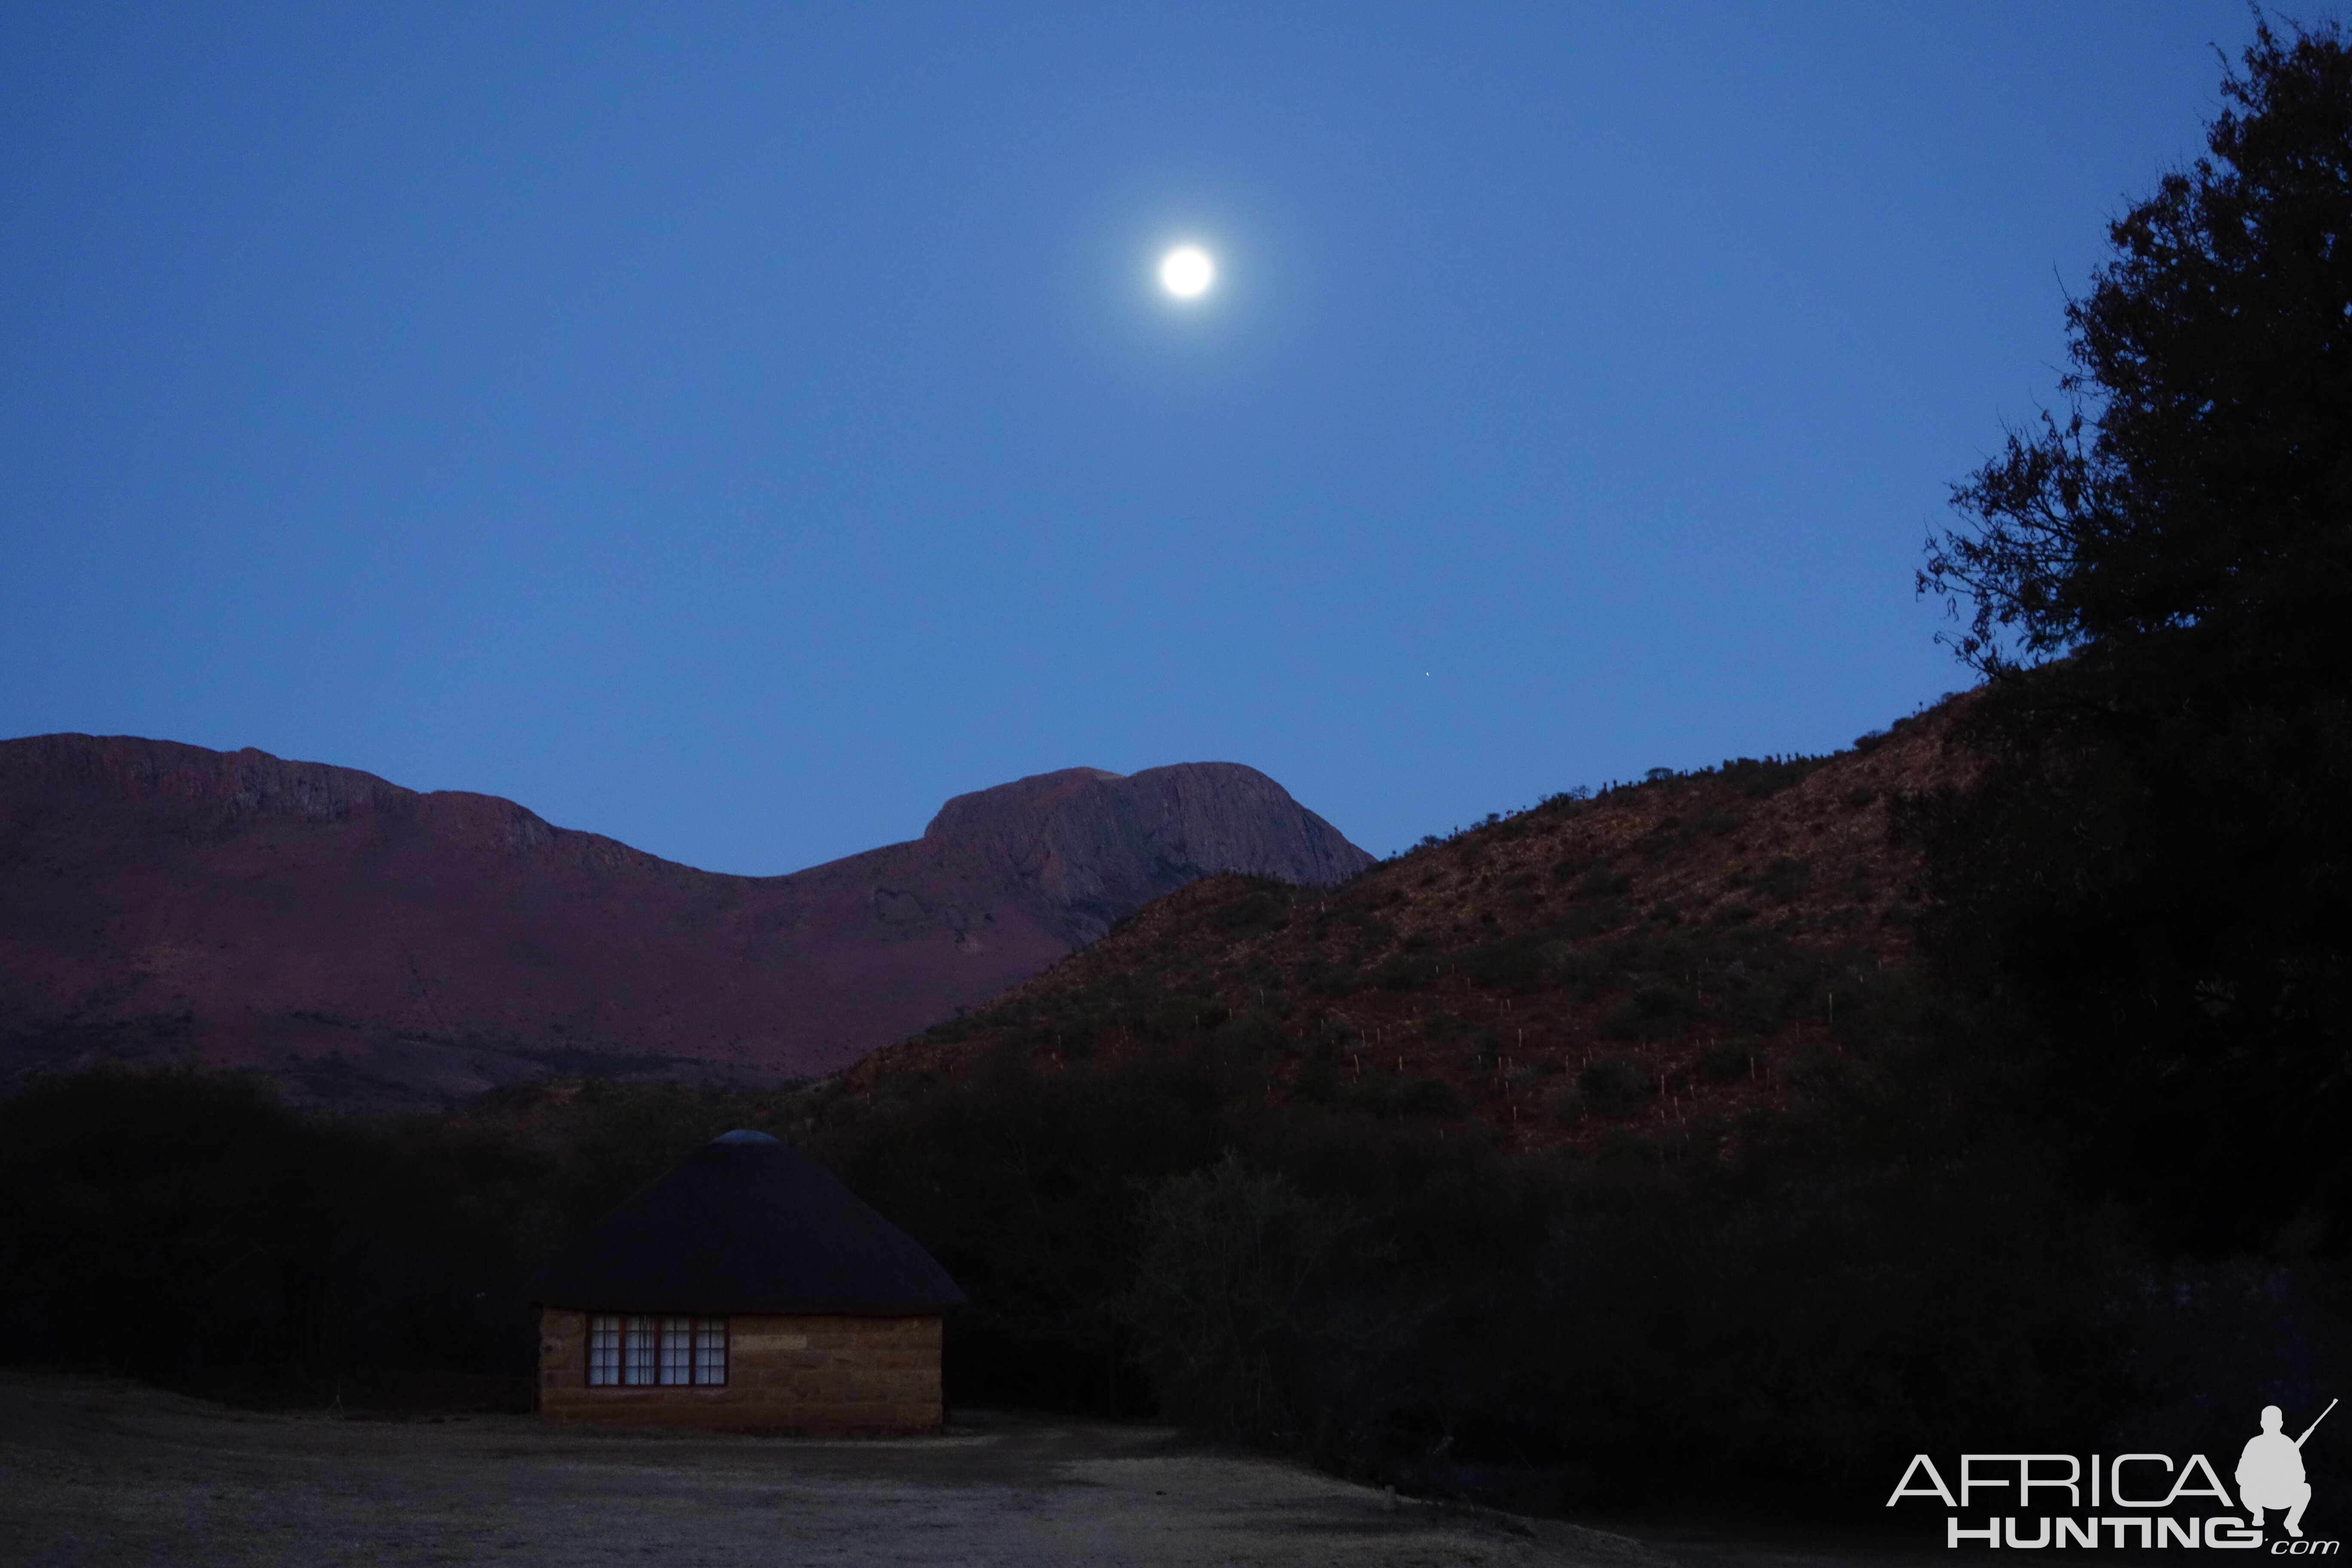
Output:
x,y
2270,1472
2158,1501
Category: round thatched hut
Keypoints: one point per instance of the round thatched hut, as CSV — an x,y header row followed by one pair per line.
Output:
x,y
745,1289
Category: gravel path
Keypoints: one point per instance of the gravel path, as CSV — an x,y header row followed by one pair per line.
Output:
x,y
105,1473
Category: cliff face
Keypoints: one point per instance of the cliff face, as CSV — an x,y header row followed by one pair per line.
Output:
x,y
1096,846
354,941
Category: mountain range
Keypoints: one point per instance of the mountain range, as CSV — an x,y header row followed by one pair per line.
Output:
x,y
360,944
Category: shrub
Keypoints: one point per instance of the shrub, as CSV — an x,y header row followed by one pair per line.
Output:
x,y
1614,1082
1511,962
1722,1061
1219,1305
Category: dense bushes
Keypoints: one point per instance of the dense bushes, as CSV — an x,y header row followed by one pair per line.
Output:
x,y
1220,1308
162,1225
179,1226
1884,1268
1880,1268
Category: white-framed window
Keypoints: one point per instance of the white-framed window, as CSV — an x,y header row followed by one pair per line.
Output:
x,y
603,1350
677,1354
638,1351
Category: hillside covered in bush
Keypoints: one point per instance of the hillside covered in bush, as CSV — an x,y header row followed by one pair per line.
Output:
x,y
1658,960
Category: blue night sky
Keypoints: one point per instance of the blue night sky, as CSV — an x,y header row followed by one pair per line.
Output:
x,y
735,429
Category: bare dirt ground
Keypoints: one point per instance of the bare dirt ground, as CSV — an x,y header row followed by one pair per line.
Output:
x,y
111,1473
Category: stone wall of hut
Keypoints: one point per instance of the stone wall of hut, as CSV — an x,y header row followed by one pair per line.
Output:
x,y
841,1374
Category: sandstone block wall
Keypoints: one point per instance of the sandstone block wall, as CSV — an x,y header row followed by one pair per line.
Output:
x,y
784,1374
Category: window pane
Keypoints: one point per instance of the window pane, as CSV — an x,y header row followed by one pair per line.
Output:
x,y
711,1350
604,1351
637,1351
676,1350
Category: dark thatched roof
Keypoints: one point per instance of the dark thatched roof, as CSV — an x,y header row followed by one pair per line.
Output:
x,y
745,1225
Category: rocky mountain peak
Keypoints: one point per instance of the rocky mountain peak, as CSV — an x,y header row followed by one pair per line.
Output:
x,y
1096,844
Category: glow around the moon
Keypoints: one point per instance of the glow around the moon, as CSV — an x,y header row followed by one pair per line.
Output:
x,y
1187,272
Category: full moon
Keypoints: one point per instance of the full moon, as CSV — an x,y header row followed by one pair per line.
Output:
x,y
1187,272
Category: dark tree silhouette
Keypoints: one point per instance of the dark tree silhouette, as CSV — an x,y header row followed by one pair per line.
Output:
x,y
2204,477
2148,874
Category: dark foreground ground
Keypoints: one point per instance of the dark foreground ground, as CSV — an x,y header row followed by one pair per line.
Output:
x,y
106,1473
